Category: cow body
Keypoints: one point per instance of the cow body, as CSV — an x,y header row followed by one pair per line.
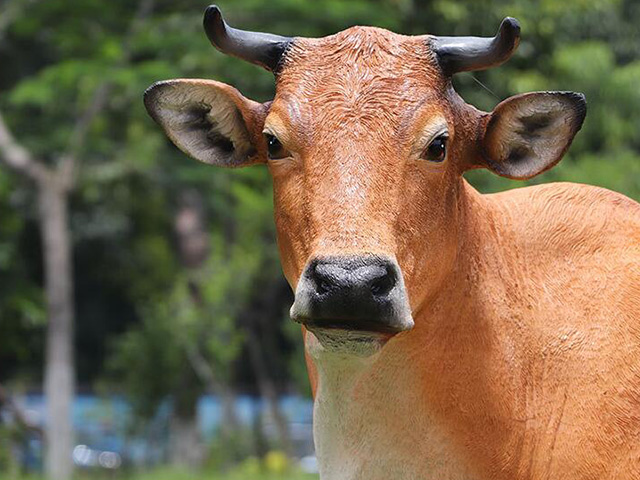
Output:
x,y
449,335
525,366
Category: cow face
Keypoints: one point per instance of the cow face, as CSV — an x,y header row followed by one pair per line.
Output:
x,y
366,142
363,177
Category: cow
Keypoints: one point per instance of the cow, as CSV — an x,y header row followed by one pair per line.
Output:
x,y
448,334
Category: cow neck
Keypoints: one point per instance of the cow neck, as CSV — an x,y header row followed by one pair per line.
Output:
x,y
367,407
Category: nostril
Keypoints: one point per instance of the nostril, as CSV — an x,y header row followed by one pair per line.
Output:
x,y
322,279
322,286
350,281
382,286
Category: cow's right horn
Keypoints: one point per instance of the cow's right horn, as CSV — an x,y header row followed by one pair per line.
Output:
x,y
463,54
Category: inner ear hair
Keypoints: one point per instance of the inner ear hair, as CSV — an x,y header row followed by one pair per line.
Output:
x,y
208,123
204,119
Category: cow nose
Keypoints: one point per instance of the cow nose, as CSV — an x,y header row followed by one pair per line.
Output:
x,y
364,293
360,282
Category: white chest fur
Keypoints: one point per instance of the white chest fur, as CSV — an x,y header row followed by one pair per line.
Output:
x,y
369,423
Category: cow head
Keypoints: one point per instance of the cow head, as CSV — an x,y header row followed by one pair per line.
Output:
x,y
366,141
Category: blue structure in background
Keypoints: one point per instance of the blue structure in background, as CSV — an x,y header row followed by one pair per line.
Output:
x,y
103,425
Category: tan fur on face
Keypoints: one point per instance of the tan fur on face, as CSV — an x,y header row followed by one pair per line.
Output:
x,y
355,107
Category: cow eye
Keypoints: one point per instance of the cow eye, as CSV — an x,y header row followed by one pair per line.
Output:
x,y
275,148
437,149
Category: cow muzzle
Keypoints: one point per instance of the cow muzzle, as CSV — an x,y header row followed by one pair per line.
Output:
x,y
352,293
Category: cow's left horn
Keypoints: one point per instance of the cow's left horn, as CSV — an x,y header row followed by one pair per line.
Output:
x,y
263,49
463,54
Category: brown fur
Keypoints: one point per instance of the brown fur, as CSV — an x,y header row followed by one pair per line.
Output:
x,y
526,303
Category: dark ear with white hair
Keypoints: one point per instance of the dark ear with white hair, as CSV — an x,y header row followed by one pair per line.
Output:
x,y
209,121
529,133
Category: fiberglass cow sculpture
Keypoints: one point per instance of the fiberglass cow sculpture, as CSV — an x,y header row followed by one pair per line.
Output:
x,y
449,334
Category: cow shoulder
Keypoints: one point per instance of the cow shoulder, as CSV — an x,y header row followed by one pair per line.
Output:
x,y
572,219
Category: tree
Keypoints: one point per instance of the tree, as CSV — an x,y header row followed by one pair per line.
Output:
x,y
54,183
53,186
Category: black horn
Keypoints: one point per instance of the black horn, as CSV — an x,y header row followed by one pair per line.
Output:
x,y
463,54
263,49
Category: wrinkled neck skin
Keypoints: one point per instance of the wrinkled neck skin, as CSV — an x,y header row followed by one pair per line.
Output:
x,y
401,411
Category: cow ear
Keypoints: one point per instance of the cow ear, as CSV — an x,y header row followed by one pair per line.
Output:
x,y
209,121
528,134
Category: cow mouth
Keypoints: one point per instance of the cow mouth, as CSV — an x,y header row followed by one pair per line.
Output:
x,y
352,325
338,337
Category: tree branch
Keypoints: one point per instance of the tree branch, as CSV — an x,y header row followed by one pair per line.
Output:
x,y
10,11
18,414
19,158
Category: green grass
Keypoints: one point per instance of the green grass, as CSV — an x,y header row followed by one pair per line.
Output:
x,y
240,474
167,473
236,475
274,466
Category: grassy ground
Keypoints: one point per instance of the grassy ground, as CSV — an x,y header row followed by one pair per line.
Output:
x,y
165,474
170,474
274,466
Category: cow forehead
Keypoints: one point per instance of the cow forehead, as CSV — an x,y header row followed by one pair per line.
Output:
x,y
362,74
364,47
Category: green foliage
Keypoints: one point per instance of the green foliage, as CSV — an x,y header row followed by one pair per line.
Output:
x,y
151,358
21,304
576,46
7,463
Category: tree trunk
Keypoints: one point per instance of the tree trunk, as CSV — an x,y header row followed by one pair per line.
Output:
x,y
193,246
186,447
59,368
187,450
268,391
230,423
266,305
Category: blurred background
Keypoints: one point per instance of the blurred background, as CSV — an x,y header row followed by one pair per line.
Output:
x,y
141,290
